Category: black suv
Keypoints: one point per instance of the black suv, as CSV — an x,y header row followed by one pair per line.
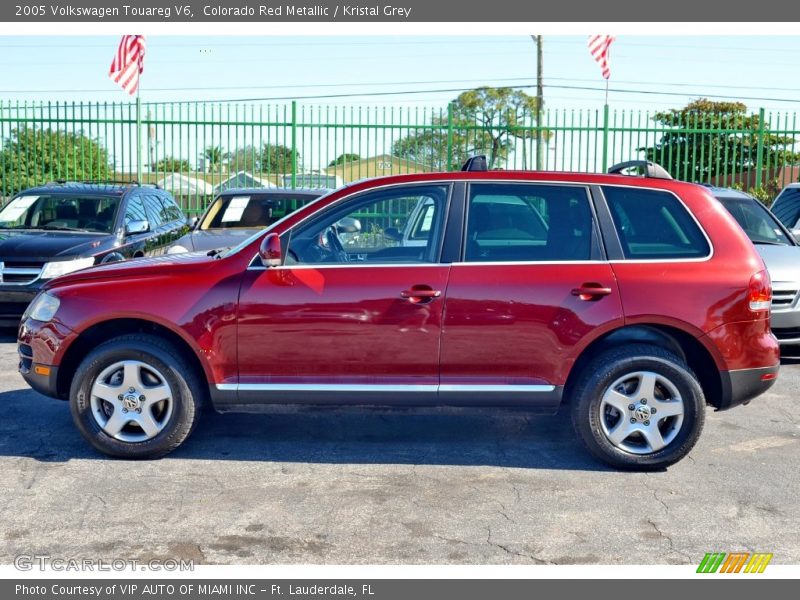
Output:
x,y
61,227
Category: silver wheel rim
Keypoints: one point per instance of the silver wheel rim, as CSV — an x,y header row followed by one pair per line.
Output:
x,y
131,401
641,412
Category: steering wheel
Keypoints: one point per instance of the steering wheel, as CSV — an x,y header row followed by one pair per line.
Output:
x,y
336,244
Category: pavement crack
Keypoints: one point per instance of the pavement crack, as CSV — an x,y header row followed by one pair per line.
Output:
x,y
513,552
671,543
504,511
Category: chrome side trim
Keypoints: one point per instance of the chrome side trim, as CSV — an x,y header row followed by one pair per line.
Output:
x,y
498,389
347,387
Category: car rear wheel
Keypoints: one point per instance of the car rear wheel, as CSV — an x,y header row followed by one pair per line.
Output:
x,y
638,407
135,397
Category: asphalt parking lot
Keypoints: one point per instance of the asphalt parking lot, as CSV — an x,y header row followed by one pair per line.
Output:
x,y
400,489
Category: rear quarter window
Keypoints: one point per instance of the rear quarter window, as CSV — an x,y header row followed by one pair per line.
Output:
x,y
787,207
654,224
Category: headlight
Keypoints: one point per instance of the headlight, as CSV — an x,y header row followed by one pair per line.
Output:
x,y
177,249
62,267
42,308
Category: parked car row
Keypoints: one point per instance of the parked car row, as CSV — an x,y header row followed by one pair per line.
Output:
x,y
54,229
635,300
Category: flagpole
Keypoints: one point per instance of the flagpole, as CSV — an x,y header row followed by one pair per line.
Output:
x,y
139,132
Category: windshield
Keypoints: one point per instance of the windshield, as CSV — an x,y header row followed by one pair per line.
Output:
x,y
252,211
60,212
759,225
239,247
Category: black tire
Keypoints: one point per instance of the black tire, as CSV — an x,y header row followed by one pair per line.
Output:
x,y
616,364
187,394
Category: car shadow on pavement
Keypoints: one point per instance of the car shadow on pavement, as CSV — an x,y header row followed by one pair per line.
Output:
x,y
41,428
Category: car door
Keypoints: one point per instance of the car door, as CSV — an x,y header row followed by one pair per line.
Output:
x,y
352,315
532,287
136,244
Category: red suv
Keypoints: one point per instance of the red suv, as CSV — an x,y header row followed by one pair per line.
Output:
x,y
635,300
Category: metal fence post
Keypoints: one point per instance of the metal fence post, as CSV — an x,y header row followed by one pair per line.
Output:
x,y
450,136
294,144
605,138
760,147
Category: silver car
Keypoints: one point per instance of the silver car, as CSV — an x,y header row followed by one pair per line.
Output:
x,y
236,214
781,254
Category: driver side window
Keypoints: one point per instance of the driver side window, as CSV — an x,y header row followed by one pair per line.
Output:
x,y
381,227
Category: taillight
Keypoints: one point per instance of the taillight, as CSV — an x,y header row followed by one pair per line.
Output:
x,y
760,292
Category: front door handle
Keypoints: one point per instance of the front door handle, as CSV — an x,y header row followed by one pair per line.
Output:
x,y
591,291
420,293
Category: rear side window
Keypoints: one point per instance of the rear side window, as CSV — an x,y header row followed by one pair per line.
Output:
x,y
787,207
171,210
654,225
528,223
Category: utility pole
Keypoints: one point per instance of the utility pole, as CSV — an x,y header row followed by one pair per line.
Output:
x,y
537,39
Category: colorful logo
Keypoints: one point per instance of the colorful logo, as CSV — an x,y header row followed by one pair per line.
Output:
x,y
734,562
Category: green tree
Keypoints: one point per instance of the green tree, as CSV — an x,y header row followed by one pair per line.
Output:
x,y
170,164
270,158
33,156
707,139
484,120
344,158
214,157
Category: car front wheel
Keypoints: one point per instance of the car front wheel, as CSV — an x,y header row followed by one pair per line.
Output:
x,y
135,397
638,407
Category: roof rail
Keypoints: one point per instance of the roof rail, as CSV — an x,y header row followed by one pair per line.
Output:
x,y
129,182
476,163
647,168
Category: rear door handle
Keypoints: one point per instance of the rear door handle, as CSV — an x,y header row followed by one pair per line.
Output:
x,y
420,293
591,291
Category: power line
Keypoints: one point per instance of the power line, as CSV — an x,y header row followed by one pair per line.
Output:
x,y
514,81
453,90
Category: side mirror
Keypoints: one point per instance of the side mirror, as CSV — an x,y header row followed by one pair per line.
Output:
x,y
193,221
796,234
134,227
348,225
270,251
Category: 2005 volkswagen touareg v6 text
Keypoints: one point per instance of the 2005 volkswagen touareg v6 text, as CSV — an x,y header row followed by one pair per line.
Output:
x,y
636,300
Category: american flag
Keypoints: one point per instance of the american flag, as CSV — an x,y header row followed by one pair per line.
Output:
x,y
599,46
128,63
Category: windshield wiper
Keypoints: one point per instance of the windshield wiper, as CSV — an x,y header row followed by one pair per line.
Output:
x,y
769,243
62,228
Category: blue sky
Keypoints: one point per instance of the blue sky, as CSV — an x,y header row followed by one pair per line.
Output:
x,y
274,67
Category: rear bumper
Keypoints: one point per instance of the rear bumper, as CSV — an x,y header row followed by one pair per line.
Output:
x,y
741,386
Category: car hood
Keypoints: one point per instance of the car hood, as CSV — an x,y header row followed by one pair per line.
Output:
x,y
211,239
47,245
783,262
138,267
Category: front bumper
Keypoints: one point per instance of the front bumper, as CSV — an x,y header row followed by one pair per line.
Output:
x,y
785,315
39,346
14,299
742,385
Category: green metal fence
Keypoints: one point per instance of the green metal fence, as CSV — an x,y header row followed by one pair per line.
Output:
x,y
196,149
